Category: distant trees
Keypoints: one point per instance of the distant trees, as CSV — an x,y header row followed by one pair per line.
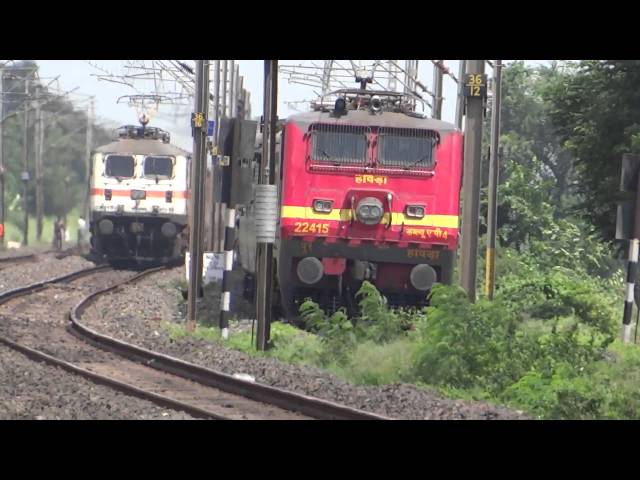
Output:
x,y
564,130
594,107
559,170
536,172
64,160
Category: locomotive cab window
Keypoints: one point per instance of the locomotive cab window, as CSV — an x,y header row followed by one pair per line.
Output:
x,y
338,144
158,167
407,148
119,166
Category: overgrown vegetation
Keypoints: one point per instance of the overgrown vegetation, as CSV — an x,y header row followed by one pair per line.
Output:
x,y
546,347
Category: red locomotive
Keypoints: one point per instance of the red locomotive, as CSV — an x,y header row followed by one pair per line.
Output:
x,y
369,190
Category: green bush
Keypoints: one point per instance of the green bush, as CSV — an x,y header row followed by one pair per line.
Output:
x,y
380,323
290,344
375,364
336,333
465,345
559,396
605,389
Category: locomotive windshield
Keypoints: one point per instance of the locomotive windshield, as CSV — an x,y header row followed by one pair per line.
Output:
x,y
404,148
158,167
339,145
120,166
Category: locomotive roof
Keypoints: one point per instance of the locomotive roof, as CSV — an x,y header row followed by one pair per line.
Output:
x,y
141,147
366,118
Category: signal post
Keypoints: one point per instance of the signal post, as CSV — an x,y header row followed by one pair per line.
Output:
x,y
264,257
198,168
475,90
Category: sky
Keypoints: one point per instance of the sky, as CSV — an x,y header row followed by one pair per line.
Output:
x,y
82,75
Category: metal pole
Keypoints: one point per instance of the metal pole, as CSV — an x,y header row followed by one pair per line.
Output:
x,y
471,187
492,214
67,181
39,140
264,260
199,125
632,269
221,207
202,175
216,99
214,168
407,78
25,166
2,233
436,109
416,64
237,89
240,98
87,156
460,99
229,237
232,82
224,91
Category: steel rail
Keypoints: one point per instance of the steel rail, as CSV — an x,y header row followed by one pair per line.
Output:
x,y
306,405
289,401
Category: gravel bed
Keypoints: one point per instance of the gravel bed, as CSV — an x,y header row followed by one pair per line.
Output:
x,y
47,266
19,252
35,391
40,318
135,315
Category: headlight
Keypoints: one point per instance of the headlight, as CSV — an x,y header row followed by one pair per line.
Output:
x,y
370,211
322,206
138,194
415,211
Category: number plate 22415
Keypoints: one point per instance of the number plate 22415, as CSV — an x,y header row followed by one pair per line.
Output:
x,y
311,227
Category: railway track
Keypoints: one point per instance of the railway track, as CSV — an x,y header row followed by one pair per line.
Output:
x,y
8,262
35,321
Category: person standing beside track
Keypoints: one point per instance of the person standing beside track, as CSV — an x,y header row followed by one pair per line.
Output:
x,y
58,233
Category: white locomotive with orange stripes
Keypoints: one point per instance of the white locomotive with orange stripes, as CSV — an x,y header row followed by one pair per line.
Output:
x,y
139,197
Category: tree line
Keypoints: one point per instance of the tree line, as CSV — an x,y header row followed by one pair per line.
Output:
x,y
564,129
64,148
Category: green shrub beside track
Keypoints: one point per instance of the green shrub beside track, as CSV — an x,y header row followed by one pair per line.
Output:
x,y
545,345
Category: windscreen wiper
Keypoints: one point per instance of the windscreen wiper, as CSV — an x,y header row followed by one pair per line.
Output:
x,y
330,158
424,157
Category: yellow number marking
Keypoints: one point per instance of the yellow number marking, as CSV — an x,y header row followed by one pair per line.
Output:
x,y
306,227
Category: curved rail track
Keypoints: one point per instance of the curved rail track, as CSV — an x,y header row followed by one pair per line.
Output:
x,y
7,262
164,380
